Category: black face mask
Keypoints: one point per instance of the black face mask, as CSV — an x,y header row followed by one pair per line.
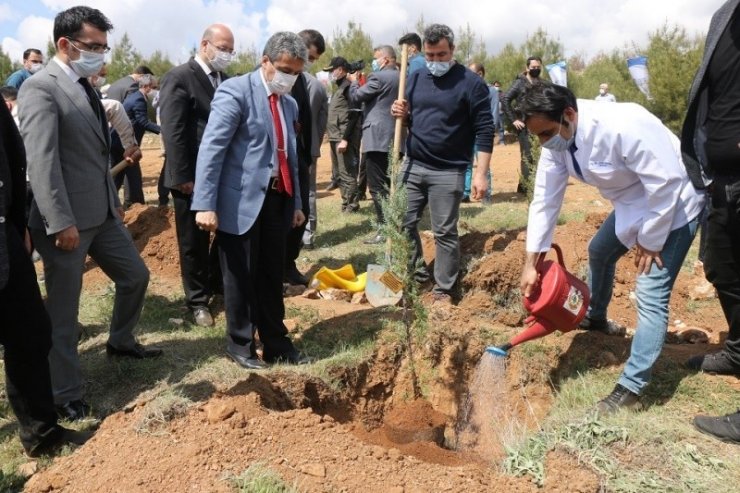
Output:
x,y
534,72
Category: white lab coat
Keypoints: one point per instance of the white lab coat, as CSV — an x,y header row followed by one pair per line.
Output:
x,y
634,161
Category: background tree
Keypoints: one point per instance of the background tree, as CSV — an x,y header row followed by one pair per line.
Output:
x,y
353,45
51,50
159,63
469,47
673,58
610,68
6,66
124,59
245,61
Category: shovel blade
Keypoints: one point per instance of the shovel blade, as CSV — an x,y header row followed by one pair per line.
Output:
x,y
376,291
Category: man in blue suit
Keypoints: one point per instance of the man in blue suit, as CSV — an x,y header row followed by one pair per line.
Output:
x,y
138,113
247,191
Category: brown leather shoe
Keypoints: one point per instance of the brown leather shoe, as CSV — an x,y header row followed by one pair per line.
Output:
x,y
137,352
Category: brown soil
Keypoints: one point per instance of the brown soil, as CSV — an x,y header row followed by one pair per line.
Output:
x,y
368,436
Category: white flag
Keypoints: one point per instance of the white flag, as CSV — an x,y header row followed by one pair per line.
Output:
x,y
558,73
639,72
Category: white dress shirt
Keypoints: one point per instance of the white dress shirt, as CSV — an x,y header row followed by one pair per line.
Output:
x,y
275,162
634,161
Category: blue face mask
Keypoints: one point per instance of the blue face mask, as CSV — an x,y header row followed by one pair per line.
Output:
x,y
438,69
557,142
375,65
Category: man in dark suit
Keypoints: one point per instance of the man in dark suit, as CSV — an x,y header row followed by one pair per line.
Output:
x,y
128,84
137,112
378,126
25,332
300,93
247,191
711,153
185,103
76,210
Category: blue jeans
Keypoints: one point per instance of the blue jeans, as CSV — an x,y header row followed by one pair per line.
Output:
x,y
653,292
469,181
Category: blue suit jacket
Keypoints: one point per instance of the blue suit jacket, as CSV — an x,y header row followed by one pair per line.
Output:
x,y
235,159
136,109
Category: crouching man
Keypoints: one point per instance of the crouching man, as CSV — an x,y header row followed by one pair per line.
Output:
x,y
635,162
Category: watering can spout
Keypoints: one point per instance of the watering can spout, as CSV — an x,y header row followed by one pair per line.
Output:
x,y
500,351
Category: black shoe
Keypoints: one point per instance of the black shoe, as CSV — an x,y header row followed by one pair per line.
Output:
x,y
137,352
608,327
58,438
247,362
202,316
465,199
73,410
716,363
294,357
725,428
309,246
375,240
620,398
331,186
521,190
293,276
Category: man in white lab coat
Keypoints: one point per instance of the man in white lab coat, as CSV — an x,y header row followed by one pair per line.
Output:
x,y
635,162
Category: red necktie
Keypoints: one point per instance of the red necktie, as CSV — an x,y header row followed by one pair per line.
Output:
x,y
285,183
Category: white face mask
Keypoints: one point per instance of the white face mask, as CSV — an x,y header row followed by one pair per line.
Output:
x,y
99,82
281,82
438,69
307,65
35,67
221,60
88,64
153,94
602,91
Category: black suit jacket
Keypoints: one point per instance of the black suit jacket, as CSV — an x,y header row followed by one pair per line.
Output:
x,y
12,186
185,97
303,138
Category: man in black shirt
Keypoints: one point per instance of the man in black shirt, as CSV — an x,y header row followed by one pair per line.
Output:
x,y
710,142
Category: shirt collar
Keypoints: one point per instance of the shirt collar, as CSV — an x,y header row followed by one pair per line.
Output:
x,y
203,65
67,69
264,82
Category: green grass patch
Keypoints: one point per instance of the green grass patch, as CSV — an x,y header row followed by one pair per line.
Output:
x,y
258,478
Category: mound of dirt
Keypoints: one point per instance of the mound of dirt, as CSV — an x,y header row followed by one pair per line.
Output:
x,y
153,231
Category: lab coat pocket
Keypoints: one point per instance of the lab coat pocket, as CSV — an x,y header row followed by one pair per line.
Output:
x,y
601,171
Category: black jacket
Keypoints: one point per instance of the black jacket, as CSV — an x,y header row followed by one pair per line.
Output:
x,y
12,186
185,99
303,137
520,84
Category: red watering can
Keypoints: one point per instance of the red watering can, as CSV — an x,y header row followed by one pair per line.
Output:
x,y
559,302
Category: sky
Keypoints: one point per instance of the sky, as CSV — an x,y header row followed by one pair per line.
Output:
x,y
585,27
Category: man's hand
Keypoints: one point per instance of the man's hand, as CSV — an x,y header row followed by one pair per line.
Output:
x,y
519,124
530,277
27,241
132,154
644,259
207,220
352,77
400,108
298,218
479,185
68,238
186,188
342,146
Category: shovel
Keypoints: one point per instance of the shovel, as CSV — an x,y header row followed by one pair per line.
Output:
x,y
383,287
119,167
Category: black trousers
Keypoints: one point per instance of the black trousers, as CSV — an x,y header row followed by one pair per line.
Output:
x,y
253,265
199,265
295,235
722,261
362,178
377,179
25,333
163,193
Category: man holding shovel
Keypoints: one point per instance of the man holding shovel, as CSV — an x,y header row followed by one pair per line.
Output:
x,y
447,110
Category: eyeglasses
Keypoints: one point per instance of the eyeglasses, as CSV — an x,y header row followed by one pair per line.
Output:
x,y
95,48
225,50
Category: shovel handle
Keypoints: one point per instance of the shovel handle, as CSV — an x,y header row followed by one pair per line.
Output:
x,y
118,167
